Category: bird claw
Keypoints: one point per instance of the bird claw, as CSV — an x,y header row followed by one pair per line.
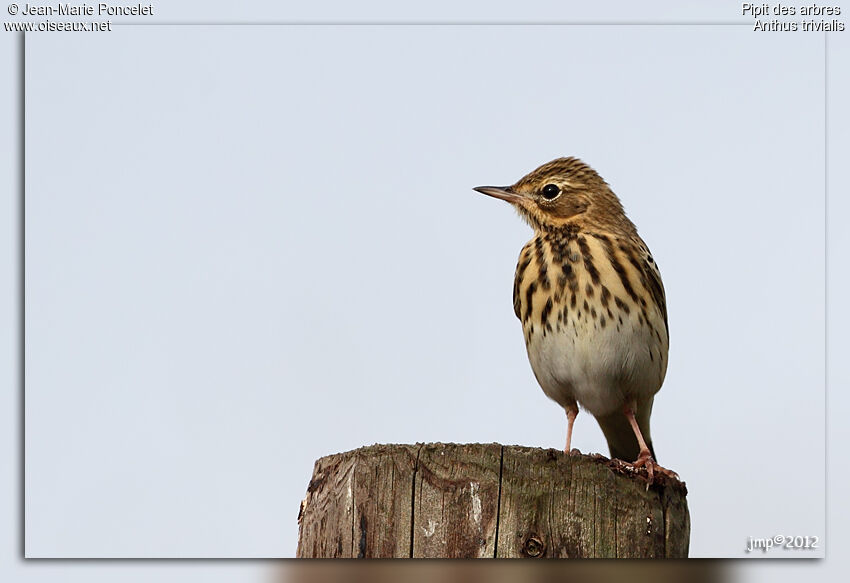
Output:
x,y
645,460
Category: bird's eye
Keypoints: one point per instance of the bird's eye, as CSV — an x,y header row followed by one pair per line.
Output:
x,y
551,191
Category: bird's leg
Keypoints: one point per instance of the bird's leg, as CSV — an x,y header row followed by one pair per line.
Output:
x,y
645,458
572,411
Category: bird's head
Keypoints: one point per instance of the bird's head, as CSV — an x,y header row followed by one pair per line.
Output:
x,y
563,192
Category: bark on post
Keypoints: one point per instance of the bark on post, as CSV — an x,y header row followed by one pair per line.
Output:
x,y
487,500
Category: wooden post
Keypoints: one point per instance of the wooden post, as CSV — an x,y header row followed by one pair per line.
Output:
x,y
487,500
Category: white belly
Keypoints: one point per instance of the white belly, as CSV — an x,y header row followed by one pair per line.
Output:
x,y
601,368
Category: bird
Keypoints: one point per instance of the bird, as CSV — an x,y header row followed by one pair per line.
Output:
x,y
593,309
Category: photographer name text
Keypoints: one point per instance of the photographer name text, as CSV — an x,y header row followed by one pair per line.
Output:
x,y
101,9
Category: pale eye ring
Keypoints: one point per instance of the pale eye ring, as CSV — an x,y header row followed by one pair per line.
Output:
x,y
550,191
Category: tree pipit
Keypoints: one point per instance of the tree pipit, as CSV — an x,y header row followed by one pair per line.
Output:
x,y
592,305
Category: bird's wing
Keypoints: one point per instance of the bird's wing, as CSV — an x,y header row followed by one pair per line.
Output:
x,y
653,281
516,298
522,264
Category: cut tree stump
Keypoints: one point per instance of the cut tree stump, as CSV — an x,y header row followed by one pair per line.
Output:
x,y
488,500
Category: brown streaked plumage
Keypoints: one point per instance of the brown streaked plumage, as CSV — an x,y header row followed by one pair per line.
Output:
x,y
592,306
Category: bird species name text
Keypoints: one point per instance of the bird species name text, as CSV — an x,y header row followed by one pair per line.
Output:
x,y
770,17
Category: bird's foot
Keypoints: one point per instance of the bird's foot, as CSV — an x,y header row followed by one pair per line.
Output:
x,y
573,451
645,460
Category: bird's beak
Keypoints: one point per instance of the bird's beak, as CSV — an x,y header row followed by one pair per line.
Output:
x,y
502,192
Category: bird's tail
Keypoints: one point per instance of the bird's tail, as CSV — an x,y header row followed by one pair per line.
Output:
x,y
622,442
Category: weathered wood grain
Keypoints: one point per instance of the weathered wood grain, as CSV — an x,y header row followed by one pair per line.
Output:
x,y
559,506
456,500
487,500
358,504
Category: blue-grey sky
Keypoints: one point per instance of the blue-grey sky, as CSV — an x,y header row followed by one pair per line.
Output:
x,y
248,247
